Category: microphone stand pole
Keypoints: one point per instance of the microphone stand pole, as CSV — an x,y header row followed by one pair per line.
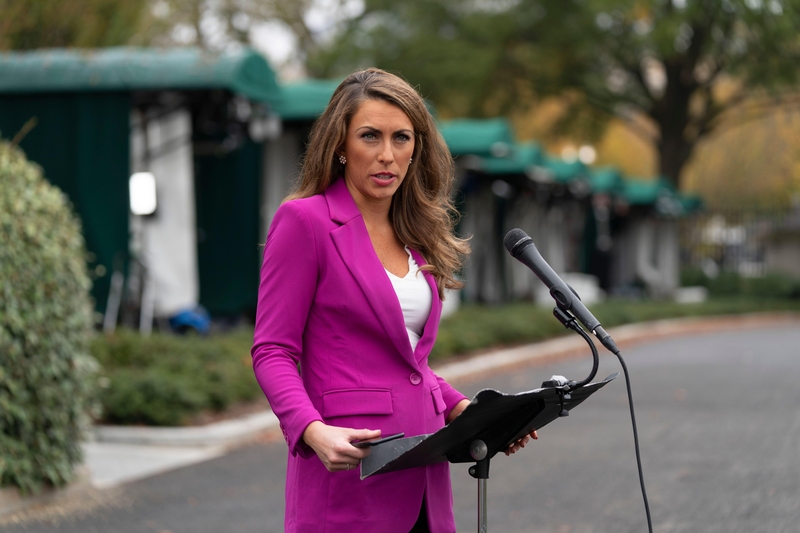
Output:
x,y
480,471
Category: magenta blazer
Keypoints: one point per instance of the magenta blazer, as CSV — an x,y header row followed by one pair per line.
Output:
x,y
331,345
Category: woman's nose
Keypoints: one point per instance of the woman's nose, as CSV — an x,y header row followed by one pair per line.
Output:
x,y
386,155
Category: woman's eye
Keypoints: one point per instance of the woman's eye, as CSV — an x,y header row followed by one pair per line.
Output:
x,y
369,136
402,137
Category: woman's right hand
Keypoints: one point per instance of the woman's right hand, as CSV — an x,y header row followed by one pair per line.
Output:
x,y
333,446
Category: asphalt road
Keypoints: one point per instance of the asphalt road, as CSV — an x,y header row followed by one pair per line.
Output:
x,y
719,423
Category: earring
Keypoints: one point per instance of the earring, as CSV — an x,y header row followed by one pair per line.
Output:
x,y
342,159
410,159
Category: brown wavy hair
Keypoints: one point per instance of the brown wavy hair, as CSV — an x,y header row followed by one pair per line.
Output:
x,y
422,212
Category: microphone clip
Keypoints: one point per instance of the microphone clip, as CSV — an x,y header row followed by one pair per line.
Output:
x,y
566,318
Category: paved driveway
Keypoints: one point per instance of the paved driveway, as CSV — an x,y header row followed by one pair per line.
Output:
x,y
719,422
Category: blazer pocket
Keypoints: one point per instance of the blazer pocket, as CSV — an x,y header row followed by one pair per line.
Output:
x,y
356,402
438,402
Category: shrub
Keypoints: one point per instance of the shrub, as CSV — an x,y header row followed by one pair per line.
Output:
x,y
152,397
165,379
771,286
45,328
476,327
727,283
693,276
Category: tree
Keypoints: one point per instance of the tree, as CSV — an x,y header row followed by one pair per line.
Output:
x,y
757,167
629,58
26,25
219,24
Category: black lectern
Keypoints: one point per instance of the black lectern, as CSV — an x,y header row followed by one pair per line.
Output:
x,y
486,427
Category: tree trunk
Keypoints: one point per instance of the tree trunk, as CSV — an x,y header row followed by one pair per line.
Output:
x,y
671,113
673,154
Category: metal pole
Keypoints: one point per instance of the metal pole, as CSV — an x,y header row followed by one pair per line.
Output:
x,y
480,452
483,526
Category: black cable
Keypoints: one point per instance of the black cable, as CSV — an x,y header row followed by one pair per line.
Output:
x,y
569,321
636,440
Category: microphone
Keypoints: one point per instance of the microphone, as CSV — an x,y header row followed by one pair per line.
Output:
x,y
521,247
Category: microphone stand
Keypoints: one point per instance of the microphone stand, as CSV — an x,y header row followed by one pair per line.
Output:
x,y
478,449
521,247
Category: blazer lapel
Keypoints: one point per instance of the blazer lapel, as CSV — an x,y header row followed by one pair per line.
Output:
x,y
355,248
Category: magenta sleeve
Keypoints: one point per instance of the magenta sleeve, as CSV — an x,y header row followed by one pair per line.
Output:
x,y
450,395
285,295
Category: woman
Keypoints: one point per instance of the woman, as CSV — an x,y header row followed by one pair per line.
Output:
x,y
345,321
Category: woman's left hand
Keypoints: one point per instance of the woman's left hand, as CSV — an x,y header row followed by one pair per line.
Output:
x,y
457,410
521,442
512,448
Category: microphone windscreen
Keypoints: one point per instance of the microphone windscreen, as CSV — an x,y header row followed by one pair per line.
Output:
x,y
513,238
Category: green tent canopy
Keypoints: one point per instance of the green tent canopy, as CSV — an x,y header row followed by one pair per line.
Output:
x,y
124,69
528,158
305,100
564,171
661,194
481,137
519,161
607,180
691,202
647,192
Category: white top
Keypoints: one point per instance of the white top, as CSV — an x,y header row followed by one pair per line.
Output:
x,y
415,298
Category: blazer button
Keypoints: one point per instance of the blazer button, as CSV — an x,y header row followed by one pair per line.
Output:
x,y
415,379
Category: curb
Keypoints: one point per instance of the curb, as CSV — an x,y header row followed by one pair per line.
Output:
x,y
222,433
230,432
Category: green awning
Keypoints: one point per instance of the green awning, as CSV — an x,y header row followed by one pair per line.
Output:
x,y
122,69
661,194
521,158
691,202
305,100
606,180
658,193
482,137
646,192
564,171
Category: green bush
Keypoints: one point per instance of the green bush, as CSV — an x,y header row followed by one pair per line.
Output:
x,y
45,328
731,284
165,379
152,397
693,276
476,327
727,283
771,286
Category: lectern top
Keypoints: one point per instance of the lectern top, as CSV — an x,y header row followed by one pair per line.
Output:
x,y
495,418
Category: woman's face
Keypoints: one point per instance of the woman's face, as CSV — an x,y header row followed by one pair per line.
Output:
x,y
378,147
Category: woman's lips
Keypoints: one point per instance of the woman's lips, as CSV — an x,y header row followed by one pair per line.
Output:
x,y
383,179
